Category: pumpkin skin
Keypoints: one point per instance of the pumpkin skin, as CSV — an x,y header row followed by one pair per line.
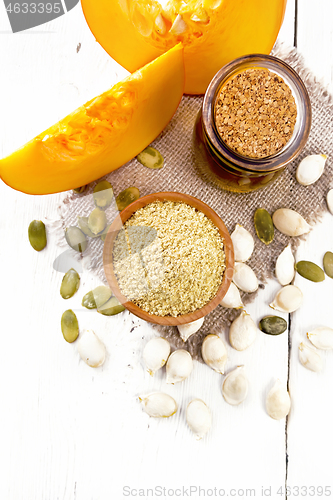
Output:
x,y
101,135
222,31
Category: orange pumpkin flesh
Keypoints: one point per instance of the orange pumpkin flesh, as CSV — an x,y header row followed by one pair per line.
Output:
x,y
103,134
213,32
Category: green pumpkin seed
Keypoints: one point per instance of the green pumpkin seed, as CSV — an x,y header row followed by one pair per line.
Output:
x,y
264,226
69,326
83,224
310,271
151,158
328,264
97,221
37,235
79,190
100,295
105,232
76,238
70,284
273,325
88,300
111,307
103,194
127,197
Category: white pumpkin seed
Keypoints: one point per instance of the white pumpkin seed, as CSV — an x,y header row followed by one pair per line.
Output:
x,y
91,349
179,366
214,353
290,222
232,299
198,417
285,267
158,405
243,243
278,401
160,25
235,386
310,169
288,299
321,337
245,278
178,26
329,200
155,354
309,358
243,332
211,4
200,16
185,331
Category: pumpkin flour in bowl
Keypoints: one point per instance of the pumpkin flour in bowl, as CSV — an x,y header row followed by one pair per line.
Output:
x,y
169,258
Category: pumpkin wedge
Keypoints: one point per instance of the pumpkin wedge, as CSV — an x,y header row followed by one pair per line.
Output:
x,y
213,32
101,135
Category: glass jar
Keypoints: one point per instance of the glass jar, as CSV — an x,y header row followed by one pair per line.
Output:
x,y
225,167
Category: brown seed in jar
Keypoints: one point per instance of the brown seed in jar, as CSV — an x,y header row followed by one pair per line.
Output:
x,y
255,113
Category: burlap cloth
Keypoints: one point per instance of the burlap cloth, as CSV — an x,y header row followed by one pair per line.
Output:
x,y
181,173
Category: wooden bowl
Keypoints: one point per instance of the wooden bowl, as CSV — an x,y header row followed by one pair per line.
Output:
x,y
108,258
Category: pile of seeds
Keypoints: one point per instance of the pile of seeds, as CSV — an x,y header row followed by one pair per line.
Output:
x,y
169,259
255,113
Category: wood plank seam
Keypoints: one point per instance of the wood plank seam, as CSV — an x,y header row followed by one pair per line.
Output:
x,y
295,23
289,315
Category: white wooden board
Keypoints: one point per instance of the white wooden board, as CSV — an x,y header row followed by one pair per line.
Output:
x,y
71,432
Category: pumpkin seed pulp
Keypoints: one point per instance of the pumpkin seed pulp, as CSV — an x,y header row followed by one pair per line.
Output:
x,y
97,221
111,307
264,226
70,284
76,239
69,326
83,224
37,235
310,271
103,194
127,197
328,264
151,158
97,297
273,325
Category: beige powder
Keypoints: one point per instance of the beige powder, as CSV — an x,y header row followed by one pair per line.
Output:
x,y
255,113
169,259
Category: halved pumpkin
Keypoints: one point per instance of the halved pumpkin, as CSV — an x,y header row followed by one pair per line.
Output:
x,y
103,134
213,32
